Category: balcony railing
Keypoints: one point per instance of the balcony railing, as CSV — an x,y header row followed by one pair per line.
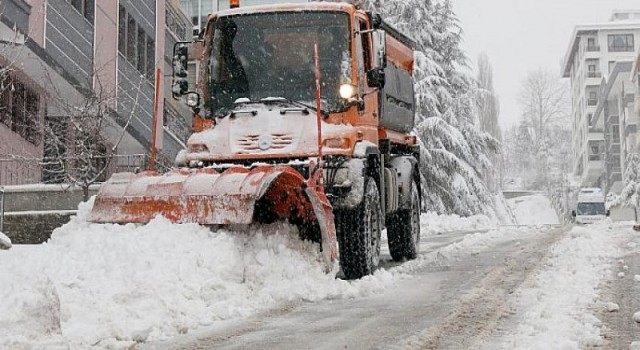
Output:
x,y
594,75
28,171
593,48
592,102
595,157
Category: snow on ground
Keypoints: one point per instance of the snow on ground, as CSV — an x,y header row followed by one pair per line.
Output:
x,y
533,210
434,223
114,285
111,284
554,311
5,242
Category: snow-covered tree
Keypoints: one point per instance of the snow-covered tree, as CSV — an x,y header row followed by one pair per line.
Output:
x,y
537,148
544,102
487,100
455,150
77,150
630,195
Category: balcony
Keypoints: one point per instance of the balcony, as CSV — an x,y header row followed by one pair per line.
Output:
x,y
593,48
592,102
594,75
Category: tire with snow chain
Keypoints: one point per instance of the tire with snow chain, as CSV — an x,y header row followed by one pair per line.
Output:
x,y
403,229
358,232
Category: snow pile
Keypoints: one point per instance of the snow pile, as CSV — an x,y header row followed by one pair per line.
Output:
x,y
533,210
112,285
555,310
5,242
434,223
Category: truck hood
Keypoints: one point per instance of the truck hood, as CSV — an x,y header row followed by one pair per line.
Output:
x,y
261,131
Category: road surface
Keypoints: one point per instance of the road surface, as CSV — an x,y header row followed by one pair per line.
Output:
x,y
446,304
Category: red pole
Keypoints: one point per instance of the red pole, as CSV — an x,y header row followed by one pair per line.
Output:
x,y
318,118
154,127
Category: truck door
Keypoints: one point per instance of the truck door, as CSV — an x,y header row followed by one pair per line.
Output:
x,y
369,114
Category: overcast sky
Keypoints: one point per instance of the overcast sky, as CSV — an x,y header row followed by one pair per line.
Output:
x,y
521,35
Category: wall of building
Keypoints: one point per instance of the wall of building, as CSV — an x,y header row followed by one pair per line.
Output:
x,y
69,39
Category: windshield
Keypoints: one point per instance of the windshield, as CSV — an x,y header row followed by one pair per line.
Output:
x,y
591,209
272,55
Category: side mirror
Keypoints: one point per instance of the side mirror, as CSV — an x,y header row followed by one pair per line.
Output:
x,y
376,20
376,78
379,48
573,213
180,84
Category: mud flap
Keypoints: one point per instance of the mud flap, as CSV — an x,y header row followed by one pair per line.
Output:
x,y
324,214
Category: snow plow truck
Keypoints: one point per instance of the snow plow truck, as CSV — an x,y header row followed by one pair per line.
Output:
x,y
302,113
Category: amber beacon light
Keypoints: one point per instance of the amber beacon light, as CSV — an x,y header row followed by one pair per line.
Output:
x,y
234,3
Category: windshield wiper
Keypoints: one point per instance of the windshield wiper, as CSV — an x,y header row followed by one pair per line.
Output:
x,y
297,103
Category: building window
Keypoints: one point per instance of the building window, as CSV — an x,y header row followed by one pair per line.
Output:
x,y
151,58
122,30
593,98
135,44
591,45
142,66
85,7
131,39
621,43
174,24
20,109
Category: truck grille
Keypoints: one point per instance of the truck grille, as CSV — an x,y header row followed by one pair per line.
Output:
x,y
251,143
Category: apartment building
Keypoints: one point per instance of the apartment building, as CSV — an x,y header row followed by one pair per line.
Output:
x,y
592,55
60,53
199,10
635,77
615,108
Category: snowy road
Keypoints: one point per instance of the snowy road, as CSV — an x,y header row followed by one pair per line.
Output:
x,y
474,286
442,303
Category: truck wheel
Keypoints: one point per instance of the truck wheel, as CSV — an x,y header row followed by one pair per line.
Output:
x,y
403,229
358,232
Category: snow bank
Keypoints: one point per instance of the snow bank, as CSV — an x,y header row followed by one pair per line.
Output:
x,y
5,242
533,210
434,223
554,311
114,285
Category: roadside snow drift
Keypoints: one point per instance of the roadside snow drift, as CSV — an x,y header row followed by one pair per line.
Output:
x,y
106,285
554,312
533,210
5,242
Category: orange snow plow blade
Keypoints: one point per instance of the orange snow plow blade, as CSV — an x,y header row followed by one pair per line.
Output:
x,y
205,196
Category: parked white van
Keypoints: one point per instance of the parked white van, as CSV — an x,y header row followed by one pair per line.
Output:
x,y
590,207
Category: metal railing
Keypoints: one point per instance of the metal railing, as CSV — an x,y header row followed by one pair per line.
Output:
x,y
592,102
593,48
594,75
1,209
28,171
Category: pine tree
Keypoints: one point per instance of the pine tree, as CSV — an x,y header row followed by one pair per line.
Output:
x,y
630,195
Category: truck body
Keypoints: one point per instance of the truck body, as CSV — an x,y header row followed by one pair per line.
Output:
x,y
302,112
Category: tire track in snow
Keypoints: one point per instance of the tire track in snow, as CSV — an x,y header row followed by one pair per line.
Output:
x,y
478,315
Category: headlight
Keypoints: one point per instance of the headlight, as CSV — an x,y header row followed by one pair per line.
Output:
x,y
193,99
347,91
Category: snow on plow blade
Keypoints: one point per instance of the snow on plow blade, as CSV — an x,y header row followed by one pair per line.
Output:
x,y
205,196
